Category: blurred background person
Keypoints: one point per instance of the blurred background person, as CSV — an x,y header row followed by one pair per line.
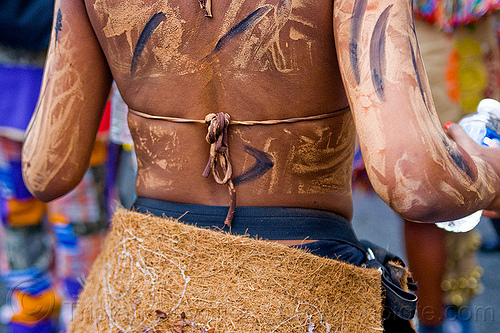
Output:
x,y
459,46
64,236
25,252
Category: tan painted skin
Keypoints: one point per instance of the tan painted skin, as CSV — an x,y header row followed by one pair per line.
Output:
x,y
256,60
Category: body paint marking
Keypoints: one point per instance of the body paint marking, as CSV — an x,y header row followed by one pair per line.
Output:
x,y
146,33
417,72
458,158
58,25
263,162
269,38
247,23
356,20
377,53
284,8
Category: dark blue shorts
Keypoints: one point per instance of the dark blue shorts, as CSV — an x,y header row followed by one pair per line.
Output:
x,y
336,238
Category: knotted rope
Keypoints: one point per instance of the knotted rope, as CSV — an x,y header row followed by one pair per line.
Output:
x,y
219,156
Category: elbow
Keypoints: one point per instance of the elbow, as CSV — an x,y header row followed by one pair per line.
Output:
x,y
47,187
415,202
51,191
418,213
425,207
416,187
47,195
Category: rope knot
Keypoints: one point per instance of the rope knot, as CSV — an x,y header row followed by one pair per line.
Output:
x,y
217,130
219,156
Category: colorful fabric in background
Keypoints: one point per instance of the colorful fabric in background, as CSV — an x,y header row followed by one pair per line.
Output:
x,y
25,253
462,67
43,265
460,52
84,204
31,249
17,206
461,55
21,84
79,222
46,250
450,14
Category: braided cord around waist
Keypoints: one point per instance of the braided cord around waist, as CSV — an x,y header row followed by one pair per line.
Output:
x,y
217,136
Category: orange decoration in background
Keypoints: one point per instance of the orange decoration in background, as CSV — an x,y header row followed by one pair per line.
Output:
x,y
452,76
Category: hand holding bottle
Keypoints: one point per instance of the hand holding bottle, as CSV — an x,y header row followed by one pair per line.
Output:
x,y
474,133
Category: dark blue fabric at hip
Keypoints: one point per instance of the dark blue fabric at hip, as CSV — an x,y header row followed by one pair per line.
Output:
x,y
337,239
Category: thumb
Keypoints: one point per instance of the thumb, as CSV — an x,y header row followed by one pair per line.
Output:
x,y
457,134
491,214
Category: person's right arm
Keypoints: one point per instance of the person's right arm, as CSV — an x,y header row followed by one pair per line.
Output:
x,y
413,165
75,87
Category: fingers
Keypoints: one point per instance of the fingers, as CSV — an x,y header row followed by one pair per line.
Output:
x,y
455,131
448,124
457,134
491,214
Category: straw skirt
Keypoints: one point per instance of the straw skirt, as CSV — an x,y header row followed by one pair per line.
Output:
x,y
159,275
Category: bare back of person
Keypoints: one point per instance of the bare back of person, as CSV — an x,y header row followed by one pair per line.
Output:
x,y
252,60
278,64
256,61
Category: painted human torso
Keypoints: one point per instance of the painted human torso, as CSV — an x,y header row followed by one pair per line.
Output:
x,y
255,60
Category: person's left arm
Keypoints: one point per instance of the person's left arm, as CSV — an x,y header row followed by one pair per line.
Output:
x,y
76,84
412,164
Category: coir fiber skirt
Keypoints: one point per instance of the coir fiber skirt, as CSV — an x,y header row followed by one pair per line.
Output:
x,y
159,275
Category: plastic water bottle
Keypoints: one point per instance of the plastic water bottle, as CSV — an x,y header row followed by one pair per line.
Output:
x,y
484,128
